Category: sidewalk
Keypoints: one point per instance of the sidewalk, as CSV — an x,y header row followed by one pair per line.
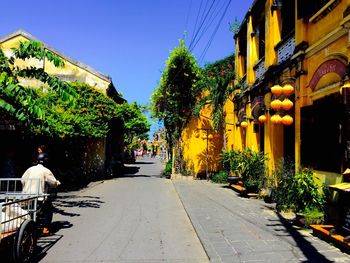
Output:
x,y
236,229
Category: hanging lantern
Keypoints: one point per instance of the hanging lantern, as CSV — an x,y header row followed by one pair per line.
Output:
x,y
288,89
287,104
244,124
276,90
276,104
276,119
262,118
287,120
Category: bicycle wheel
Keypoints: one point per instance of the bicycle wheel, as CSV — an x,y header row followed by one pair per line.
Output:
x,y
25,242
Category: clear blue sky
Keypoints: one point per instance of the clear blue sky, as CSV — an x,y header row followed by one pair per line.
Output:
x,y
127,40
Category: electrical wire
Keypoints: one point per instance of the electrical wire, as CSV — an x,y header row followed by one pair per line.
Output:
x,y
211,20
201,25
214,33
195,25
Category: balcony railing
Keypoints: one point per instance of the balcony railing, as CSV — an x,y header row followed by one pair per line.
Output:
x,y
285,49
244,83
259,68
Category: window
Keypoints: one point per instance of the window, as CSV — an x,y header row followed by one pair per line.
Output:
x,y
242,42
288,17
320,135
307,8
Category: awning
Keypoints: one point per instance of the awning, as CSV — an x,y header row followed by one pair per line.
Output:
x,y
345,187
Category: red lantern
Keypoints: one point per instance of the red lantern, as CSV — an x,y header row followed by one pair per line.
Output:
x,y
276,119
288,90
287,104
262,118
276,104
244,124
287,120
276,90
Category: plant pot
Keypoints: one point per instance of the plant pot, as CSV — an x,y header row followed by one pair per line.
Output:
x,y
233,179
252,187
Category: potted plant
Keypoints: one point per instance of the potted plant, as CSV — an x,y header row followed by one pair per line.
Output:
x,y
230,160
252,168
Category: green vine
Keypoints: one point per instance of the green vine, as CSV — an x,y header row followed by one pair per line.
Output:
x,y
216,78
174,99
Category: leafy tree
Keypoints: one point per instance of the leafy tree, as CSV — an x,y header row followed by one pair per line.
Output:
x,y
175,97
21,101
216,78
136,123
55,107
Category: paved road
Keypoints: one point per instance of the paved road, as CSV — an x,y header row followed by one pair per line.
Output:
x,y
136,218
142,218
236,229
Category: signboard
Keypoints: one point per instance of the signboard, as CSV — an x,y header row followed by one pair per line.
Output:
x,y
330,66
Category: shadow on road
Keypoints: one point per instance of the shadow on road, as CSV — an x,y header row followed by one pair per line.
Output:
x,y
137,162
130,170
134,175
284,228
45,243
68,201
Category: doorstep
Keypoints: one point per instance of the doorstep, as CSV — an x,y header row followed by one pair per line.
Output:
x,y
326,232
241,189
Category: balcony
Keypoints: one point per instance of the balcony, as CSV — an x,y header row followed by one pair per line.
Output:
x,y
285,49
259,68
244,83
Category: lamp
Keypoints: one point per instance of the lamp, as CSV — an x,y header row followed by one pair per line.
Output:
x,y
345,86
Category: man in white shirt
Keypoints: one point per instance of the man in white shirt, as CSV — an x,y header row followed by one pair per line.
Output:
x,y
36,180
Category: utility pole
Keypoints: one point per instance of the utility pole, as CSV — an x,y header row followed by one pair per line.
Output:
x,y
207,132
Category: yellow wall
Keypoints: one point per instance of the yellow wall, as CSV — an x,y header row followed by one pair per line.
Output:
x,y
194,145
273,134
69,72
327,40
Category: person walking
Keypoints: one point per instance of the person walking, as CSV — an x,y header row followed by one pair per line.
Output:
x,y
36,180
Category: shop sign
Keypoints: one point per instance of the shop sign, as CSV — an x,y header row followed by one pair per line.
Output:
x,y
330,66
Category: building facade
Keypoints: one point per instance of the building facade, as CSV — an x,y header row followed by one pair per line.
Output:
x,y
96,154
292,58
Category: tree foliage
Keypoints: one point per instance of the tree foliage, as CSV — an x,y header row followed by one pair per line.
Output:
x,y
56,107
215,80
175,97
136,123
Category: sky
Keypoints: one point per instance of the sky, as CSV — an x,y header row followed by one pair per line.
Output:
x,y
129,41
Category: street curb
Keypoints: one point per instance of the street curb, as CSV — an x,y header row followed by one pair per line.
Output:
x,y
195,230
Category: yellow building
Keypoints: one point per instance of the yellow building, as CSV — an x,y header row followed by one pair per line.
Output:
x,y
303,48
99,151
200,146
73,70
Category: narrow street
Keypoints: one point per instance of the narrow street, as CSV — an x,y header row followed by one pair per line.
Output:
x,y
141,217
135,218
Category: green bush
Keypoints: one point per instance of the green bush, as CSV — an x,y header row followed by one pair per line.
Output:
x,y
168,169
220,177
252,168
248,164
297,191
230,160
304,191
313,216
283,177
